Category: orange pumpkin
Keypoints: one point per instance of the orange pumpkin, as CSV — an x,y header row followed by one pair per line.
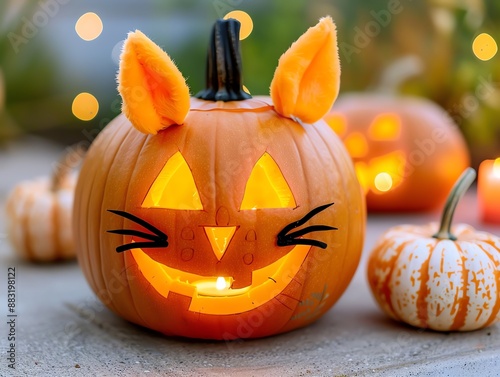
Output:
x,y
407,152
438,279
226,216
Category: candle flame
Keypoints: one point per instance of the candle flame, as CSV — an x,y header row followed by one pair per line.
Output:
x,y
496,168
220,284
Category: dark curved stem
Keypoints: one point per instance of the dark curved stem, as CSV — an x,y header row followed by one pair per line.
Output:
x,y
223,74
456,193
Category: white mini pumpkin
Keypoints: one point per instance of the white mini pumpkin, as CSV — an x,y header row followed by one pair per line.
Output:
x,y
39,216
443,281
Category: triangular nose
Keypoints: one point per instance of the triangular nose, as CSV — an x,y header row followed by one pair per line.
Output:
x,y
219,237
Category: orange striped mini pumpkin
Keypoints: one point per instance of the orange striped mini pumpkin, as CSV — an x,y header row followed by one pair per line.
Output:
x,y
449,281
39,211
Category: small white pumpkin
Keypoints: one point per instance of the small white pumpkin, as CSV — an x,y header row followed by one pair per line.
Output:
x,y
443,281
39,215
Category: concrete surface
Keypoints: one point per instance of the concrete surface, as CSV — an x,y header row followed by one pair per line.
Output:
x,y
62,330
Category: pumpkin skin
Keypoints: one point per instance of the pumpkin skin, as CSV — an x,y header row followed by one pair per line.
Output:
x,y
443,285
443,280
38,213
221,142
122,164
411,139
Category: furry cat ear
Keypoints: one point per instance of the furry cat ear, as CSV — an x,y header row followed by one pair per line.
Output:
x,y
154,92
306,81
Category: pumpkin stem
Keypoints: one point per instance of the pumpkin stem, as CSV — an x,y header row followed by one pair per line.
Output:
x,y
397,73
456,193
223,72
69,161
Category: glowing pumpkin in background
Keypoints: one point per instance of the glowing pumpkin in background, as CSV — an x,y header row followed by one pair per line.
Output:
x,y
407,151
226,216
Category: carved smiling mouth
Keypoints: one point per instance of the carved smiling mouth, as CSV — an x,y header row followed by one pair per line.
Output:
x,y
214,295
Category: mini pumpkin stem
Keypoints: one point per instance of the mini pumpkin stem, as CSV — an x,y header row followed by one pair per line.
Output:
x,y
223,72
69,161
456,193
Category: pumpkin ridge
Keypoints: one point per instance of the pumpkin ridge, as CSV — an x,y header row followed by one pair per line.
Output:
x,y
297,151
492,244
97,271
459,320
494,261
215,171
386,285
296,280
282,303
100,271
103,211
496,308
348,219
81,238
85,260
55,223
30,252
422,309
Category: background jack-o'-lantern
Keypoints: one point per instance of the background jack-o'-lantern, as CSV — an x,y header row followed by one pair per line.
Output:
x,y
226,216
407,152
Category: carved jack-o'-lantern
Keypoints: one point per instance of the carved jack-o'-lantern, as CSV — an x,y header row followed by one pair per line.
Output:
x,y
407,152
226,216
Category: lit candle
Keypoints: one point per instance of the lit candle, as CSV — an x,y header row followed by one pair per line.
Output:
x,y
488,190
215,287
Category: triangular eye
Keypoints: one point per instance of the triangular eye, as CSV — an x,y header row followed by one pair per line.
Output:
x,y
174,188
266,187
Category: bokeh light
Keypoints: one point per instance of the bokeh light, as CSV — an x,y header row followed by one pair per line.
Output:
x,y
383,182
89,26
484,47
85,106
245,20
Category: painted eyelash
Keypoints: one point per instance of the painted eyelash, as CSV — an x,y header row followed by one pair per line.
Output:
x,y
158,238
287,239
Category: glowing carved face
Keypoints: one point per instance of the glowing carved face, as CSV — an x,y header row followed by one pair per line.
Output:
x,y
175,189
221,203
378,160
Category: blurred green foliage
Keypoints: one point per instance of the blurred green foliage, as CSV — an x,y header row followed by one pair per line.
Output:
x,y
419,48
